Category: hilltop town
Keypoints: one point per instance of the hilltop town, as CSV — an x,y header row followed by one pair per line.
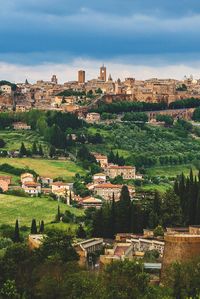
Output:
x,y
79,96
102,175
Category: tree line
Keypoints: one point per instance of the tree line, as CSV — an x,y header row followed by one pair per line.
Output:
x,y
125,106
129,216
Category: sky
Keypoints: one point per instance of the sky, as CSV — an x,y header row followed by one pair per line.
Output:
x,y
133,38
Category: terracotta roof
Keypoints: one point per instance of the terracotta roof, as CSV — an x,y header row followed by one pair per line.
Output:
x,y
91,199
120,167
120,250
59,184
100,157
105,186
5,177
31,184
24,175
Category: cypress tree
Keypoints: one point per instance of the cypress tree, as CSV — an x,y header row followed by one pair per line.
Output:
x,y
52,151
81,232
22,151
58,216
34,149
123,219
16,237
98,223
111,157
33,227
191,176
113,216
40,151
117,158
176,187
41,227
70,198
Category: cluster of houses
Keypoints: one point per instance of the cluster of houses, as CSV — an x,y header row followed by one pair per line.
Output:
x,y
35,186
44,185
101,188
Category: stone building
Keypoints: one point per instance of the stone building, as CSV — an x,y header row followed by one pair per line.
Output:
x,y
93,117
179,248
27,178
85,248
127,172
81,77
101,159
107,190
32,188
102,73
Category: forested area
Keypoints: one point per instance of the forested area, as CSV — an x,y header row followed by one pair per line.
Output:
x,y
148,146
178,207
127,106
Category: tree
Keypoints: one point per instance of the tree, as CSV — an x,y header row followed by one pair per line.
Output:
x,y
9,290
158,231
22,151
58,215
81,233
41,230
58,244
126,280
16,237
34,149
171,209
70,198
113,216
57,137
40,151
52,151
2,143
123,211
33,227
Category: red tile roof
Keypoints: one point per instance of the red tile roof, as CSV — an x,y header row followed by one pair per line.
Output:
x,y
105,186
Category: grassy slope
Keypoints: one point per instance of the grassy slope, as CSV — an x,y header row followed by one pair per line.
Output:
x,y
171,171
51,168
27,208
14,139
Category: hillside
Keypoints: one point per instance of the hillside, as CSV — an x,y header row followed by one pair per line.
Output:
x,y
46,168
26,208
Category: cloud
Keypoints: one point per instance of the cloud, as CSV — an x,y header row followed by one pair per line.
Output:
x,y
149,33
66,72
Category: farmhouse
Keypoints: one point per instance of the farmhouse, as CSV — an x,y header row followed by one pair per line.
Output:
x,y
60,188
32,188
101,159
6,178
21,126
93,117
99,178
90,202
107,190
27,177
127,172
4,185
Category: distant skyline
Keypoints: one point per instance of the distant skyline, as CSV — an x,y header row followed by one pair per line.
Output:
x,y
137,38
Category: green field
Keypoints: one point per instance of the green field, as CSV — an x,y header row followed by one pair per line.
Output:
x,y
26,208
14,139
152,187
47,168
171,171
